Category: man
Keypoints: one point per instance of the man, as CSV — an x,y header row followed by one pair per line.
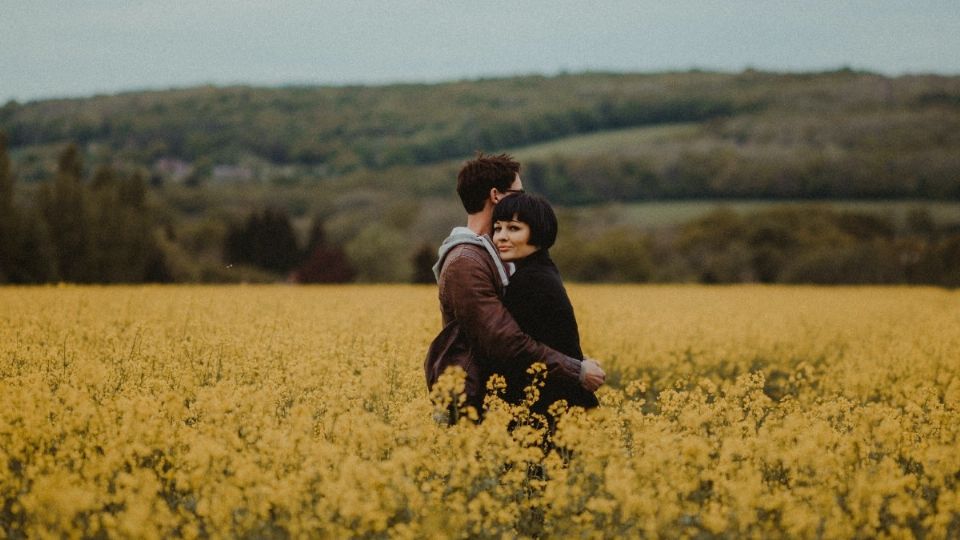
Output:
x,y
479,335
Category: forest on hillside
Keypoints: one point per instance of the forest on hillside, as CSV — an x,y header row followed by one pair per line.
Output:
x,y
356,183
761,135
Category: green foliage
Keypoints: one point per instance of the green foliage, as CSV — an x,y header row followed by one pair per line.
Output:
x,y
6,177
323,262
265,240
615,255
67,213
815,245
937,262
948,253
7,218
380,255
122,246
873,262
96,232
423,261
26,250
591,180
30,255
716,246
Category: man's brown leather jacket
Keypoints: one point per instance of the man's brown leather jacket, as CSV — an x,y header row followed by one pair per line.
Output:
x,y
479,334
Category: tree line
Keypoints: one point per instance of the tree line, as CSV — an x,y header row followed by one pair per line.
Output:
x,y
94,231
785,244
102,229
111,227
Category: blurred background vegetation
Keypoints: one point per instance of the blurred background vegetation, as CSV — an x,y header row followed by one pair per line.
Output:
x,y
836,177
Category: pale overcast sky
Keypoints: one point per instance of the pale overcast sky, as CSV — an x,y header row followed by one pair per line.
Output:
x,y
51,48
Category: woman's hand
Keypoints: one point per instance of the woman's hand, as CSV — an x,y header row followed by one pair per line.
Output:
x,y
591,375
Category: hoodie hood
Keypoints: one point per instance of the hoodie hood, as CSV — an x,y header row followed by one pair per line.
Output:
x,y
463,235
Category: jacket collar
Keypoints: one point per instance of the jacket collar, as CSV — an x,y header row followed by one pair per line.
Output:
x,y
539,256
463,235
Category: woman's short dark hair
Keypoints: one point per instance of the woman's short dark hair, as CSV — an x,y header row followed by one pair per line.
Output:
x,y
483,173
533,210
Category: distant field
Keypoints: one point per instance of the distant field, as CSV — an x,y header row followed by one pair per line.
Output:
x,y
620,141
671,213
656,140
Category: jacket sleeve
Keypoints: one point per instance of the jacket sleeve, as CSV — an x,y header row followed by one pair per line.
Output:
x,y
489,326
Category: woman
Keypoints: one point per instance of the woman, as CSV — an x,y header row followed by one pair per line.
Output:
x,y
524,228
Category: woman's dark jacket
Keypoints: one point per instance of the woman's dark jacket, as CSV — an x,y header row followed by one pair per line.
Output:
x,y
539,303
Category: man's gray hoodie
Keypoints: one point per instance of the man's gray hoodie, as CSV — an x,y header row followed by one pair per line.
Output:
x,y
464,235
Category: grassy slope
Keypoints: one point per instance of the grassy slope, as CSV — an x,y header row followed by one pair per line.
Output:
x,y
653,141
618,141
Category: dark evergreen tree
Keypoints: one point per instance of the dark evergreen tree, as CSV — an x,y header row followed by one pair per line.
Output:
x,y
122,241
265,240
6,178
157,270
133,191
103,178
32,257
236,246
423,262
7,214
948,254
26,252
276,244
317,238
323,263
66,213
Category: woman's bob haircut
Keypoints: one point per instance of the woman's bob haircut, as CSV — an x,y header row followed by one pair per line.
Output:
x,y
533,210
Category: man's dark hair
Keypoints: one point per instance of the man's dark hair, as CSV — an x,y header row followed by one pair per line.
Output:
x,y
533,210
481,174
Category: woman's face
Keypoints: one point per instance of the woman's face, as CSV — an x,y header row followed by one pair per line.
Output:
x,y
512,239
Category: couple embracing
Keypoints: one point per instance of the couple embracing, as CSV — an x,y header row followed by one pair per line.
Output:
x,y
503,303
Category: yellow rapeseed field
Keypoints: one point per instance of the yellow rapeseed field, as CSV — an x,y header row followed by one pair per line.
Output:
x,y
275,411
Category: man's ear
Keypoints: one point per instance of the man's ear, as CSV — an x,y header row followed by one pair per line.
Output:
x,y
494,195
